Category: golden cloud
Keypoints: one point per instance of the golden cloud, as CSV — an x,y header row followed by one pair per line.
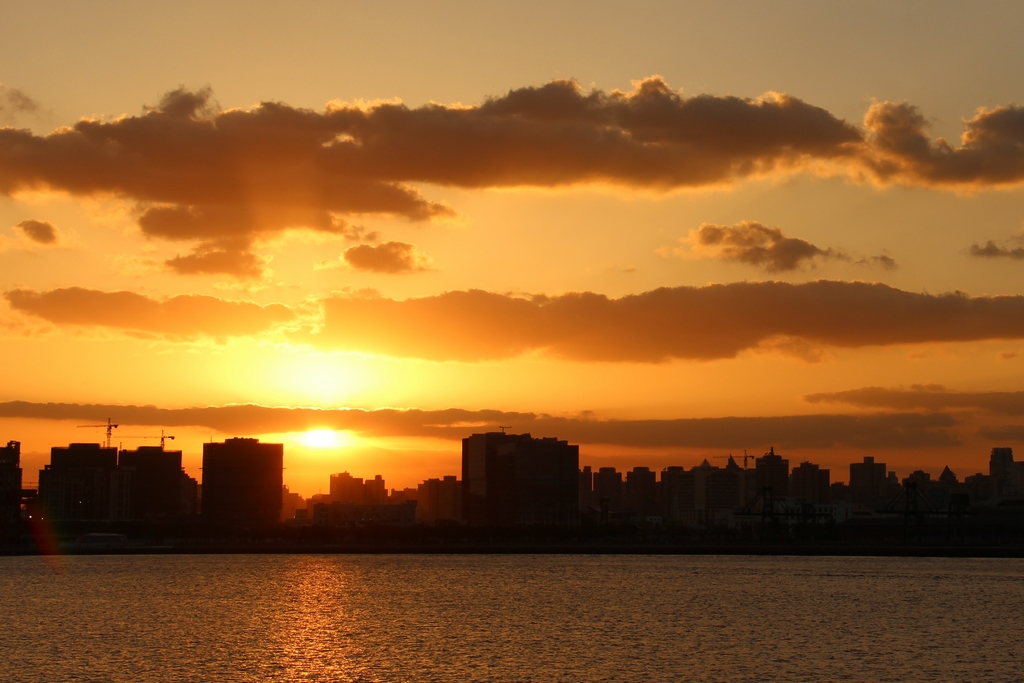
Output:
x,y
179,316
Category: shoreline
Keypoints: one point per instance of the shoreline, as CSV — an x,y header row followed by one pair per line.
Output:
x,y
996,552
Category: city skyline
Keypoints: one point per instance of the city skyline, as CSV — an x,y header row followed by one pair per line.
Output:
x,y
668,237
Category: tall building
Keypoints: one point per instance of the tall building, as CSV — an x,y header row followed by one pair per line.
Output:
x,y
868,482
347,489
675,494
242,480
639,492
10,483
511,479
608,490
158,481
82,483
810,484
439,500
772,471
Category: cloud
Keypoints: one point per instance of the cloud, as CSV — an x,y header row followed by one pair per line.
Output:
x,y
752,243
932,397
39,232
1004,433
14,102
703,323
756,244
991,151
211,258
389,257
991,250
229,178
179,316
798,431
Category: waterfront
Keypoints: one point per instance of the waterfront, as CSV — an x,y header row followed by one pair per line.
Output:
x,y
509,618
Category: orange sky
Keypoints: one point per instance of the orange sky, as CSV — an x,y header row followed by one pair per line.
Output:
x,y
665,232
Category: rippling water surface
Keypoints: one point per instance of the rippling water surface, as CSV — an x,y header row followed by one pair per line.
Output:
x,y
509,618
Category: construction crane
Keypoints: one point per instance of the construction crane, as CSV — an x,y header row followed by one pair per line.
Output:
x,y
504,428
110,427
746,458
151,436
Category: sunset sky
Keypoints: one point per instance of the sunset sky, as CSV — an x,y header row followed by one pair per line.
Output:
x,y
664,231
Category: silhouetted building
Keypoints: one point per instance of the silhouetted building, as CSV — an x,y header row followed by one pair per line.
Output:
x,y
639,492
242,480
868,483
439,500
375,492
347,489
772,471
717,492
10,483
82,483
290,503
675,493
608,491
810,484
158,481
511,479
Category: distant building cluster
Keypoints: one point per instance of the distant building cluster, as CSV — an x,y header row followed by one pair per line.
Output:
x,y
506,480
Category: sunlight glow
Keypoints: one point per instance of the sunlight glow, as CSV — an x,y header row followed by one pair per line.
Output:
x,y
322,438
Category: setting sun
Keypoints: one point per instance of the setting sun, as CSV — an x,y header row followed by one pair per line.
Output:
x,y
322,438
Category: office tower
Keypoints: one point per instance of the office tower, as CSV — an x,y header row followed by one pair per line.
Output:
x,y
242,480
608,490
10,483
82,483
158,481
347,489
439,500
810,484
511,479
772,471
639,492
868,481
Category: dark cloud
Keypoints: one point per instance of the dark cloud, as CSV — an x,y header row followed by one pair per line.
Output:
x,y
756,244
992,250
389,257
767,247
178,316
798,431
991,150
230,177
39,232
882,261
932,397
717,321
14,102
1003,433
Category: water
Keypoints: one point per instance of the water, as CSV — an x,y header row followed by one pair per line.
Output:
x,y
509,618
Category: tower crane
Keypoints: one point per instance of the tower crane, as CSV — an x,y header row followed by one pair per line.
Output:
x,y
162,437
110,427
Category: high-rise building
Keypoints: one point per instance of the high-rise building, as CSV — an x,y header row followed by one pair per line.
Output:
x,y
158,480
242,480
347,489
608,490
10,483
810,484
511,479
639,492
439,500
868,482
82,483
772,471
